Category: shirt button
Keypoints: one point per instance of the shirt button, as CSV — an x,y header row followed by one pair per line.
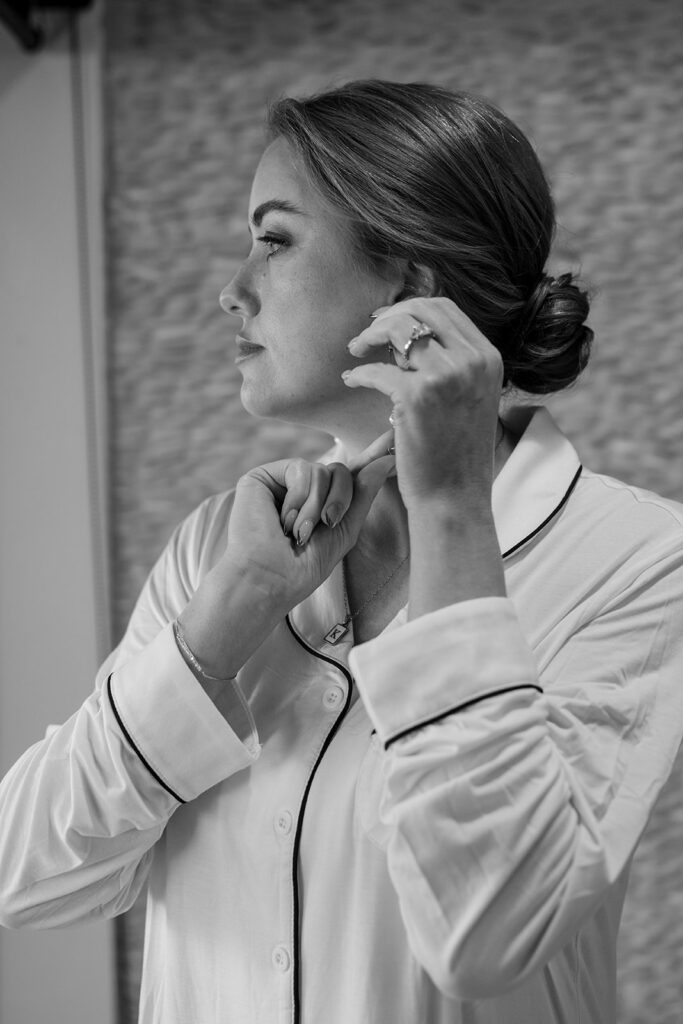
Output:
x,y
280,959
283,823
333,697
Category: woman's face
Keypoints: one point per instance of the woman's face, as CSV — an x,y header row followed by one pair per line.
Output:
x,y
302,295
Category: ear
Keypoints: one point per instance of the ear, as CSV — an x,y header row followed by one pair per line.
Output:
x,y
419,282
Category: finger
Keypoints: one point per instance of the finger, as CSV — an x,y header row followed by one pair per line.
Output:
x,y
445,318
297,481
466,366
397,333
450,324
379,447
389,329
339,495
388,379
367,485
310,509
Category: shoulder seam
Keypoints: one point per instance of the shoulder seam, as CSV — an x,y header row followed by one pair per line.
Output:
x,y
639,495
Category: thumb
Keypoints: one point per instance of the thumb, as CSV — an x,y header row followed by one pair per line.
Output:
x,y
366,486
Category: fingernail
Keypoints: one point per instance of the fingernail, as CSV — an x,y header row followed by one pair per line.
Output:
x,y
304,531
290,519
353,345
345,374
333,514
376,312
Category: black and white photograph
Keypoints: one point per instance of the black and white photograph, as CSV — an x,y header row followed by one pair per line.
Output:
x,y
341,512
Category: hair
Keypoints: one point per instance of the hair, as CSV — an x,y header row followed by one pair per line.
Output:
x,y
444,180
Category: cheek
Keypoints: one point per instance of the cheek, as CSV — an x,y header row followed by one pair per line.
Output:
x,y
315,306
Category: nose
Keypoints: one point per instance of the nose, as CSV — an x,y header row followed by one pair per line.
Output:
x,y
238,298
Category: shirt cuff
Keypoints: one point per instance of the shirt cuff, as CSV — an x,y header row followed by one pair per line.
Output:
x,y
436,664
175,728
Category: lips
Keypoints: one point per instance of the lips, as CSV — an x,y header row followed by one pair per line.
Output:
x,y
246,348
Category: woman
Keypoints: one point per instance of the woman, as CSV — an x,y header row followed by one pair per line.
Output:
x,y
382,735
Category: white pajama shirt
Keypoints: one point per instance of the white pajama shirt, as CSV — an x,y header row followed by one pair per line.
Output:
x,y
434,827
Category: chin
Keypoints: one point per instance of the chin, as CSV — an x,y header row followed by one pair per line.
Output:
x,y
256,405
298,410
266,404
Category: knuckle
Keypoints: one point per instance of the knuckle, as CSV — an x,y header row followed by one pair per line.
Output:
x,y
478,363
433,383
452,375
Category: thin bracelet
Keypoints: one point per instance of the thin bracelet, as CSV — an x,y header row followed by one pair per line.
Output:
x,y
192,660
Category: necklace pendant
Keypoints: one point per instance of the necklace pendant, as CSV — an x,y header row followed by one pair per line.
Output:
x,y
336,633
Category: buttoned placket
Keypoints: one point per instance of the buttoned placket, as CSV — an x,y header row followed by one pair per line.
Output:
x,y
335,700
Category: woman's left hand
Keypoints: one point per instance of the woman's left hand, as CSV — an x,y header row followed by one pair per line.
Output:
x,y
446,400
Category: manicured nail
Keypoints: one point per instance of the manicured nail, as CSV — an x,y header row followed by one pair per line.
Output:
x,y
345,374
304,532
333,514
290,519
353,345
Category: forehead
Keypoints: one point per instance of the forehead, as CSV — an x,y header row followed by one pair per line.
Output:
x,y
279,176
280,180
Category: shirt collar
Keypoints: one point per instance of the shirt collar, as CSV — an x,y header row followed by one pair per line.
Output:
x,y
536,480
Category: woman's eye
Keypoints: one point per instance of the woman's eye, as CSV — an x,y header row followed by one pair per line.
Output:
x,y
273,243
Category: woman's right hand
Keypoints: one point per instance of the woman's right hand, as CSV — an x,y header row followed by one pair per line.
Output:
x,y
281,547
293,520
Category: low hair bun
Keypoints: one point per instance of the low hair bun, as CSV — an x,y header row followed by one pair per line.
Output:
x,y
552,342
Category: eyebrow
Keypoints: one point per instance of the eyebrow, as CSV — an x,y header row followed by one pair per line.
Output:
x,y
274,204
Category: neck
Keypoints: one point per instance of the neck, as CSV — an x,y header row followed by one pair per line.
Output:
x,y
385,535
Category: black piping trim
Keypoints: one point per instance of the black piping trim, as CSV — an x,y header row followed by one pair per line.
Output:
x,y
135,748
317,654
296,936
460,707
545,522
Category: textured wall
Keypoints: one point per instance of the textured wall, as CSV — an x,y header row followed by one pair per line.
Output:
x,y
597,84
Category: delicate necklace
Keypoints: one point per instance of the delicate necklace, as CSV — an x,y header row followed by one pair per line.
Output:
x,y
340,629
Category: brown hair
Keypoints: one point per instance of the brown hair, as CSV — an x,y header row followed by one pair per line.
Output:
x,y
445,180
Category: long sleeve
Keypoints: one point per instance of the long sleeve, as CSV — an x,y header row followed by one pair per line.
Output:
x,y
82,809
516,795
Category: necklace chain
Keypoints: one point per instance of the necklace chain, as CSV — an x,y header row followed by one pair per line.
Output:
x,y
340,629
352,615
